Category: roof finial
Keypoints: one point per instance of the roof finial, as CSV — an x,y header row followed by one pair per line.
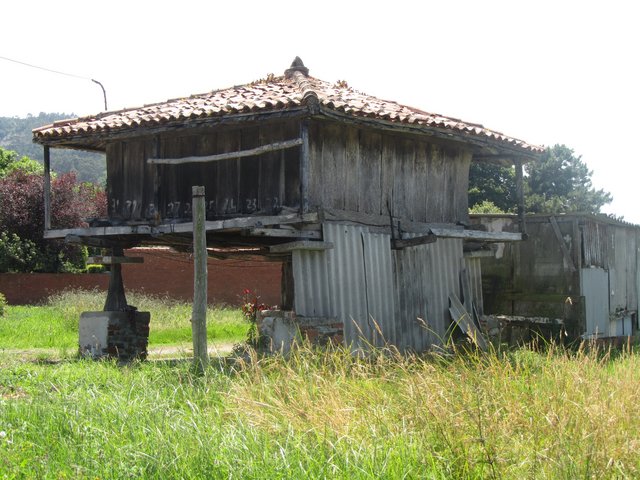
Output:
x,y
296,66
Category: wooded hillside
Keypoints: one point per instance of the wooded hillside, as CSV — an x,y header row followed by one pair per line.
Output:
x,y
15,134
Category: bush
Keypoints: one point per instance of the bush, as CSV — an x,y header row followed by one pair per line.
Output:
x,y
3,304
18,255
22,217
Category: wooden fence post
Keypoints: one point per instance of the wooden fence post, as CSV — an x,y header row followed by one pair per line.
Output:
x,y
47,188
199,313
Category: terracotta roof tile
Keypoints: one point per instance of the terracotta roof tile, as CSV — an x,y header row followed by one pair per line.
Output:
x,y
271,94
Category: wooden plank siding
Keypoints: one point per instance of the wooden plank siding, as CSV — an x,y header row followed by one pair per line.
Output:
x,y
263,185
351,168
368,171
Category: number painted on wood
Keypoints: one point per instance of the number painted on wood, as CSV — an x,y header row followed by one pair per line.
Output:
x,y
252,204
151,211
229,205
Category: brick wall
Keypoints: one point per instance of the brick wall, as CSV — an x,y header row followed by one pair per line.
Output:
x,y
164,272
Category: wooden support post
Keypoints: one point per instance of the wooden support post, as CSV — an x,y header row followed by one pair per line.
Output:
x,y
520,195
116,299
157,181
199,313
287,287
304,167
47,188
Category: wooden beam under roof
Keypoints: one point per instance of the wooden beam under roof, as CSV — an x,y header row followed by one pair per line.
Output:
x,y
271,147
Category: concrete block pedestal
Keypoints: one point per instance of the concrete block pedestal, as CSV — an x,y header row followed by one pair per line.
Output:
x,y
114,334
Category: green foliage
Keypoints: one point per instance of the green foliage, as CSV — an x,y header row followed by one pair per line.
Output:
x,y
18,255
494,184
486,206
92,268
22,218
3,304
10,162
250,308
561,182
16,134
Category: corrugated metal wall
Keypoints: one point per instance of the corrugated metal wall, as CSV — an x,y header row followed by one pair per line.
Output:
x,y
425,276
313,290
373,289
352,282
474,273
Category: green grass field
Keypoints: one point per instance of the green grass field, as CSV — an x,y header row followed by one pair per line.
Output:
x,y
324,414
55,325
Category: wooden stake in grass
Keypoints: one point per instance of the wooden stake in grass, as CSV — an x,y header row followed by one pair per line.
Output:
x,y
199,314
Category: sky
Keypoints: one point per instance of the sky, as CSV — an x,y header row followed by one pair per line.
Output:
x,y
544,71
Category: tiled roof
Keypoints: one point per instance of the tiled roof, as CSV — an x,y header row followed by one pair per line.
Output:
x,y
293,90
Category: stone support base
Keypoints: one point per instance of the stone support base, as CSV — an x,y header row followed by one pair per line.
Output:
x,y
123,334
280,329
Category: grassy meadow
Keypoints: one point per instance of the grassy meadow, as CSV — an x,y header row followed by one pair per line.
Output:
x,y
55,324
322,414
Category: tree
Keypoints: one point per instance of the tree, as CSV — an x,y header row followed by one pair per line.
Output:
x,y
16,134
10,162
22,218
494,184
559,182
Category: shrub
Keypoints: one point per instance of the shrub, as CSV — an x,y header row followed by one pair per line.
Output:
x,y
3,304
22,216
18,255
250,308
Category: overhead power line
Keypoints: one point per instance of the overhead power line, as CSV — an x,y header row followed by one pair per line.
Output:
x,y
104,92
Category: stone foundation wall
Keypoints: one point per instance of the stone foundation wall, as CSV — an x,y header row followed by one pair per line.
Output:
x,y
280,329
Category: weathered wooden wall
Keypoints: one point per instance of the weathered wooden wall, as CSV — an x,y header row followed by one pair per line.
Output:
x,y
351,168
363,170
262,185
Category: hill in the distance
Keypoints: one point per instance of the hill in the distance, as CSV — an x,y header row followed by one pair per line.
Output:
x,y
15,134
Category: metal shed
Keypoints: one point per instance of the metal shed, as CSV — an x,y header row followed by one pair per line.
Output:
x,y
580,268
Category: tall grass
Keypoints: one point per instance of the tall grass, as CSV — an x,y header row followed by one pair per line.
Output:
x,y
327,414
55,324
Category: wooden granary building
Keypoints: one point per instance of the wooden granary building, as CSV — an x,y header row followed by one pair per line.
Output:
x,y
364,201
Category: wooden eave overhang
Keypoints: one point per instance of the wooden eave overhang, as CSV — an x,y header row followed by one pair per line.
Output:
x,y
484,149
97,141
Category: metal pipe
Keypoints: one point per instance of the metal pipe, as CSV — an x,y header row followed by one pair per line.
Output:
x,y
104,93
520,195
